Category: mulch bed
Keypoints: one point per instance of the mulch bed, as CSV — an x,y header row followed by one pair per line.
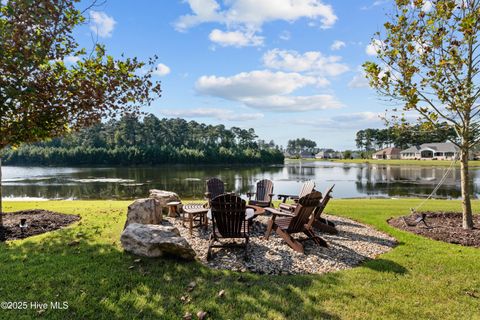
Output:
x,y
38,221
442,226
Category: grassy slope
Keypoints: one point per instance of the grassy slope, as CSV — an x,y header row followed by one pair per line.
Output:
x,y
419,279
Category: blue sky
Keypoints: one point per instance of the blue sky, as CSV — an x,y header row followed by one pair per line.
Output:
x,y
287,68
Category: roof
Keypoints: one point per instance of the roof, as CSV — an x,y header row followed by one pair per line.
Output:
x,y
391,150
413,149
437,147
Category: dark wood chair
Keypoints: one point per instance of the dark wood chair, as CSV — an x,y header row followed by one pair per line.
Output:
x,y
285,224
320,223
215,187
307,188
263,195
228,222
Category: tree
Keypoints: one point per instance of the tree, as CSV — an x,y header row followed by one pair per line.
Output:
x,y
42,97
429,60
297,146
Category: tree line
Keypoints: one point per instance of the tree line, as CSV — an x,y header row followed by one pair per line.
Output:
x,y
374,139
297,146
133,141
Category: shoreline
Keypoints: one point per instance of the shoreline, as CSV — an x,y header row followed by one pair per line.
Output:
x,y
433,163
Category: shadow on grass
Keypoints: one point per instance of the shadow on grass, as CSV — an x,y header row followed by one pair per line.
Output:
x,y
384,265
100,281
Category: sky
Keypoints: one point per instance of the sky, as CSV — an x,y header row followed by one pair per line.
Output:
x,y
287,68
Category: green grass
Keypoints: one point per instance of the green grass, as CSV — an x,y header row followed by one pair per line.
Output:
x,y
419,279
472,163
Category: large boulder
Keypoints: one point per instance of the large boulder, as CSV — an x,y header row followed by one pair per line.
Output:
x,y
164,197
150,240
144,211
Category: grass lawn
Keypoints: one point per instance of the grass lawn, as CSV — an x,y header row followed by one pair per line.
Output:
x,y
419,279
472,163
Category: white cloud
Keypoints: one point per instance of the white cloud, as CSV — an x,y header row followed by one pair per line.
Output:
x,y
252,14
311,61
337,45
285,35
248,16
344,121
203,11
366,116
102,24
235,38
427,6
71,59
267,90
216,113
258,83
161,70
359,80
293,103
375,46
376,3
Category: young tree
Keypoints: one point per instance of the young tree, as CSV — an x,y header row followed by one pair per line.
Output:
x,y
430,61
41,96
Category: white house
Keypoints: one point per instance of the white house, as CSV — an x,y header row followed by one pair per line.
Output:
x,y
438,151
326,154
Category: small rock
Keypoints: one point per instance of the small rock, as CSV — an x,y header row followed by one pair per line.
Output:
x,y
131,267
201,315
191,286
137,260
185,299
187,316
221,293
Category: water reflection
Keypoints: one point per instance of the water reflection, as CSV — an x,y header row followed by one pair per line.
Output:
x,y
352,180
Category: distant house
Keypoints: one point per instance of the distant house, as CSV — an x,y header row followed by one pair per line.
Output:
x,y
387,154
439,151
326,154
307,155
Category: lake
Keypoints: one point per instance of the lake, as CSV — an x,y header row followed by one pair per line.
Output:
x,y
351,180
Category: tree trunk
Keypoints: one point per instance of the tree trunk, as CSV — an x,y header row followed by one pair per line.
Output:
x,y
467,222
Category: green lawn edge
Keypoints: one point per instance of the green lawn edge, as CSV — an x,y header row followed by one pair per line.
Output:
x,y
472,163
418,279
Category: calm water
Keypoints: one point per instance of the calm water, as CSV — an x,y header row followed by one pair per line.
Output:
x,y
351,180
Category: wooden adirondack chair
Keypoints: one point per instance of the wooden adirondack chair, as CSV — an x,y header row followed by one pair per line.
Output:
x,y
301,220
320,223
307,188
228,221
215,187
263,195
